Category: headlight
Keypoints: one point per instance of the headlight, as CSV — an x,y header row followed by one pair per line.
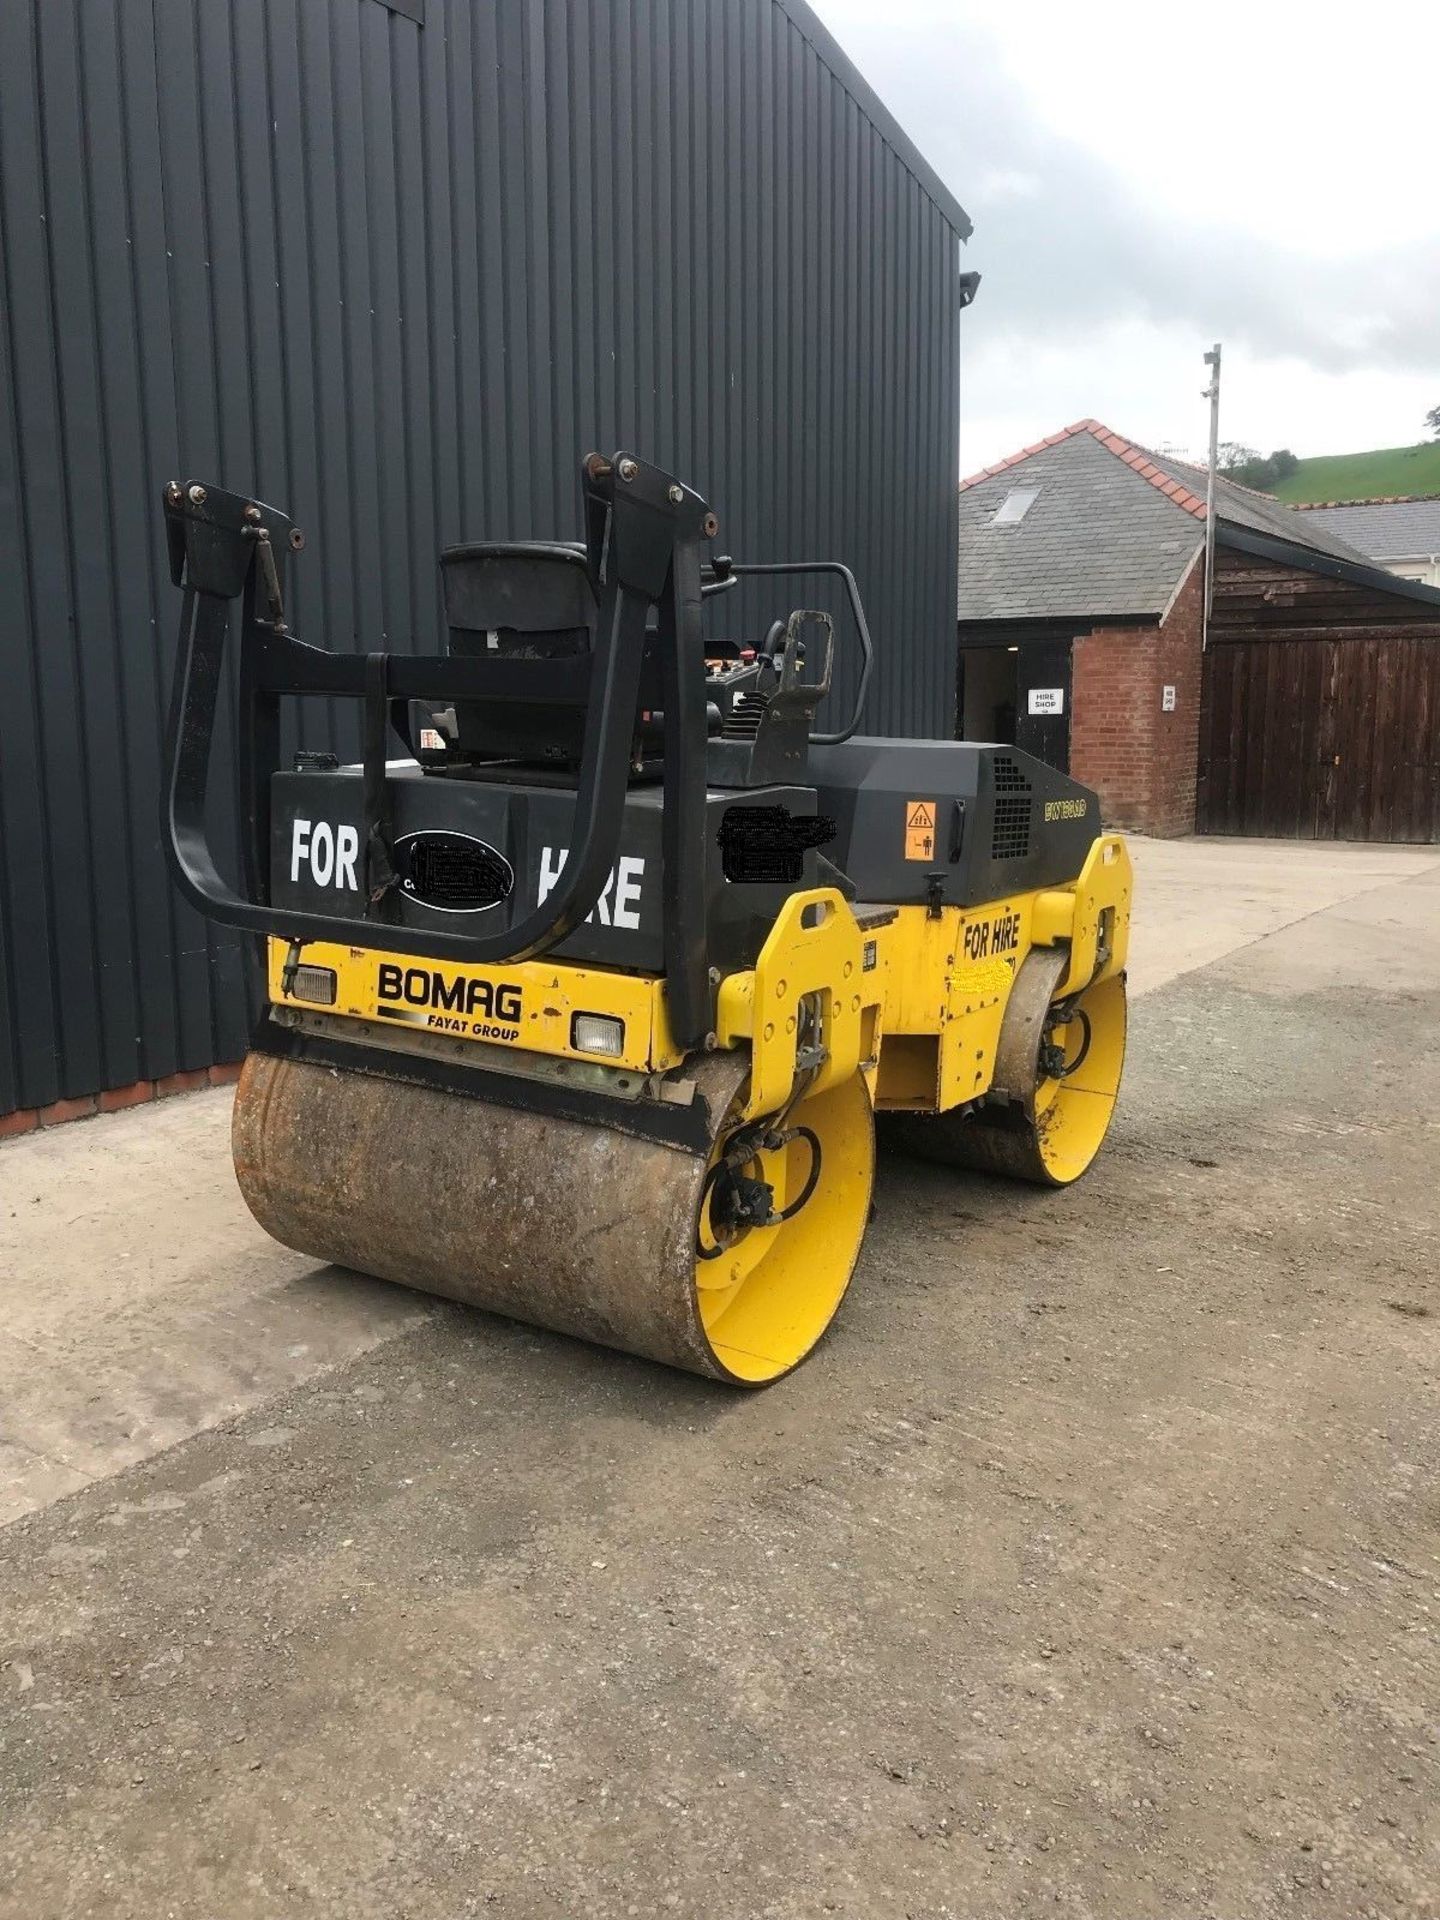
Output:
x,y
314,983
597,1033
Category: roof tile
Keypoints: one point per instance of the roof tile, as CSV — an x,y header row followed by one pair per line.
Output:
x,y
1405,528
1096,542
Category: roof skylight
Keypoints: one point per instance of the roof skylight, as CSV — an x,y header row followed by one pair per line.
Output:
x,y
1014,507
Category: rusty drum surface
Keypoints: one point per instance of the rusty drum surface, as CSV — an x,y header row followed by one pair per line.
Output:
x,y
582,1229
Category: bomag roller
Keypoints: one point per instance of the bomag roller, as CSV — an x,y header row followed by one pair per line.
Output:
x,y
582,1009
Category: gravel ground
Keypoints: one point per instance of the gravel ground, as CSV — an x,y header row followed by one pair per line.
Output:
x,y
1092,1567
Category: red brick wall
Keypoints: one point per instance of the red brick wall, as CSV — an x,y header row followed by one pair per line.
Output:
x,y
27,1119
1138,758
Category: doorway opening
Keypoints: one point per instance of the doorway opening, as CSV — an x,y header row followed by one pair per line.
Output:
x,y
987,694
1017,694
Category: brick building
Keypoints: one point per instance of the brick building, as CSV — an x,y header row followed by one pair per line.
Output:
x,y
1081,602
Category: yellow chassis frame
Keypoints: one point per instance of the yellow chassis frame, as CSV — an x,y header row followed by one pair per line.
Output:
x,y
934,985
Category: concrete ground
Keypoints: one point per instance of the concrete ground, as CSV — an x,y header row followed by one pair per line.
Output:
x,y
1092,1566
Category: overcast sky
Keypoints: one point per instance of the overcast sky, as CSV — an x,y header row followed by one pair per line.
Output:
x,y
1146,179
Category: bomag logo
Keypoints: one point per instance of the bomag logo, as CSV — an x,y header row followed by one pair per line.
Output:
x,y
430,989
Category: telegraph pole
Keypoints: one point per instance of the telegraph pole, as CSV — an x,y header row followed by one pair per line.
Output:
x,y
1212,394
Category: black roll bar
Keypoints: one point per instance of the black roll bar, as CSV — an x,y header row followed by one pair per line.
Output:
x,y
644,538
862,627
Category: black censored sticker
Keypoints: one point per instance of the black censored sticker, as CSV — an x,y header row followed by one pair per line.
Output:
x,y
767,845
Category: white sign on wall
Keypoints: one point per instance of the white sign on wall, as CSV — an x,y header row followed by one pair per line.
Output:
x,y
1167,699
1047,699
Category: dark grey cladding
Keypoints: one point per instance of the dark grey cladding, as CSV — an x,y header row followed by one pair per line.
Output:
x,y
395,268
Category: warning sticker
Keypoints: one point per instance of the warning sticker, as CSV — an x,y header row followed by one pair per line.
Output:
x,y
920,830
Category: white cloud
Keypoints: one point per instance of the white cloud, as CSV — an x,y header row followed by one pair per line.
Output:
x,y
1001,184
1144,181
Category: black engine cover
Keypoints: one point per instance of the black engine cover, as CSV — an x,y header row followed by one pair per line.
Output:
x,y
471,850
986,821
905,821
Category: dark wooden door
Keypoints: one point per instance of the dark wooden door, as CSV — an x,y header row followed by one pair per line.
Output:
x,y
1322,739
1042,701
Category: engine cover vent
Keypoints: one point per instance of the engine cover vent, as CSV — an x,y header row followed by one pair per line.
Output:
x,y
452,872
1010,835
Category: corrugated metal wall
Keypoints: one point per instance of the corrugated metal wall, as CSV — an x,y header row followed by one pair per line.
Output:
x,y
397,277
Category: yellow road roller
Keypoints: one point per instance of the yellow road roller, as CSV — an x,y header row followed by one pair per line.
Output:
x,y
587,979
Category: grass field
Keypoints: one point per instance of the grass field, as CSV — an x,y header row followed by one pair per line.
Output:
x,y
1363,476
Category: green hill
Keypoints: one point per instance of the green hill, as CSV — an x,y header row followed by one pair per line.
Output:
x,y
1364,476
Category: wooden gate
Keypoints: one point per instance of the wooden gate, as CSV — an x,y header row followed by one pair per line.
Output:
x,y
1322,739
